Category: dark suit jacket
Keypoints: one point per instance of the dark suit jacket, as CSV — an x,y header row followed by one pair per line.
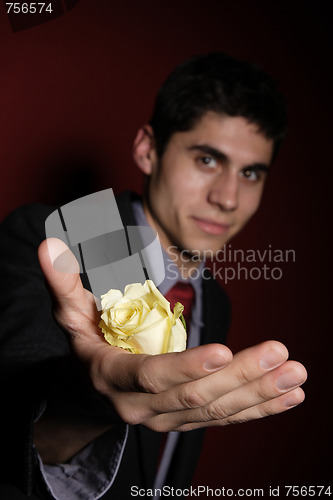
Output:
x,y
35,359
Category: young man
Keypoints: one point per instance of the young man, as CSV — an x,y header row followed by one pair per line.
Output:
x,y
216,127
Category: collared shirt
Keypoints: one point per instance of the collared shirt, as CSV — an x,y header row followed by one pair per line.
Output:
x,y
173,276
91,472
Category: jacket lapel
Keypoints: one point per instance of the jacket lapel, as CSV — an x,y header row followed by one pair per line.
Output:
x,y
216,311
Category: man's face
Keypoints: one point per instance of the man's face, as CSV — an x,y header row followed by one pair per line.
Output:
x,y
208,183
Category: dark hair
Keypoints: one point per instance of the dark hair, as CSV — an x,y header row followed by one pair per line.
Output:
x,y
220,83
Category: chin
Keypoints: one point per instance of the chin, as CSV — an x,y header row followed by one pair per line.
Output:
x,y
199,248
209,246
201,252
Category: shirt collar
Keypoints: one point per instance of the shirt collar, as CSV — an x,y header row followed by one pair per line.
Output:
x,y
172,273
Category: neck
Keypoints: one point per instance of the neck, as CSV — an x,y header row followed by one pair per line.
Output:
x,y
185,263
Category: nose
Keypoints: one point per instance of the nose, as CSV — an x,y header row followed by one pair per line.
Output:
x,y
224,191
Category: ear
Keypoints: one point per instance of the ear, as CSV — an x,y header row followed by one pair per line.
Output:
x,y
144,149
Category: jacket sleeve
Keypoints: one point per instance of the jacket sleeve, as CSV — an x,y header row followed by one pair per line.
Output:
x,y
32,344
35,358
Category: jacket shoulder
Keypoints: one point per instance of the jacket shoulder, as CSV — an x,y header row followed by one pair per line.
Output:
x,y
28,219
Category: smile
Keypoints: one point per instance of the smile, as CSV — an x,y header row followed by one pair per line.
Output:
x,y
210,226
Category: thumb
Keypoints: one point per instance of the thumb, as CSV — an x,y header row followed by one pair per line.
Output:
x,y
60,268
71,301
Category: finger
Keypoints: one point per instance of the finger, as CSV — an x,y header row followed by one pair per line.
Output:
x,y
279,381
248,365
132,381
273,407
156,374
180,381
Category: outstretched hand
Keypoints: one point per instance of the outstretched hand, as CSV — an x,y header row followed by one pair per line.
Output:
x,y
199,387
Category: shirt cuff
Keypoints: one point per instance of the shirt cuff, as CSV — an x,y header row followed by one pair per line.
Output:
x,y
90,473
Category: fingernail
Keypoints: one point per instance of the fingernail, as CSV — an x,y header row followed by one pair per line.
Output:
x,y
61,257
287,380
214,363
55,248
271,359
291,401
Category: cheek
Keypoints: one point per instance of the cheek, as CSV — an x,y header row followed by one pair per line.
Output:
x,y
180,186
191,186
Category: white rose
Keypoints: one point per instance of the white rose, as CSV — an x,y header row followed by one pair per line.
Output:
x,y
141,320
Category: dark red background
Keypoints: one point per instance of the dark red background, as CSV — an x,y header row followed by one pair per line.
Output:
x,y
73,93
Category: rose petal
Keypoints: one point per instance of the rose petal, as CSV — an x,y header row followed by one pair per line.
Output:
x,y
154,316
112,340
158,296
110,298
134,291
178,338
153,339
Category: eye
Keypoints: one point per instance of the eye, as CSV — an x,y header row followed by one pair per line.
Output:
x,y
250,174
207,161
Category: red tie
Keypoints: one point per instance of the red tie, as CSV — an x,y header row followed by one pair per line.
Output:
x,y
183,293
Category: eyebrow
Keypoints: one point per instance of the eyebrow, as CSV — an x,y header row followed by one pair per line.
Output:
x,y
219,155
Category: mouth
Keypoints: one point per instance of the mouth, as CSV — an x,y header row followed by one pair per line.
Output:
x,y
210,226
